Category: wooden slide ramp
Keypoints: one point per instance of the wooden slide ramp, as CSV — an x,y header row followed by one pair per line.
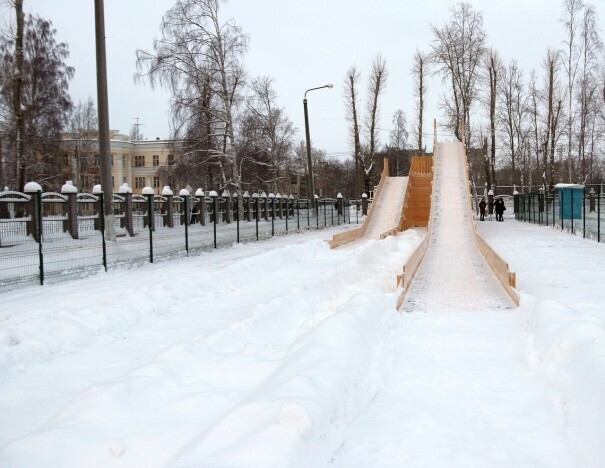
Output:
x,y
453,268
399,203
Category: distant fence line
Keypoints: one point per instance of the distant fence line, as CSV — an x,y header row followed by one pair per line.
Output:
x,y
48,237
575,209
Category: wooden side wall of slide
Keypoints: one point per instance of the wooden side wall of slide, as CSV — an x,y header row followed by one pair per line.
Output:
x,y
498,265
421,190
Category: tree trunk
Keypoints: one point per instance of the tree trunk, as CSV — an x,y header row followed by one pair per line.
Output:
x,y
17,91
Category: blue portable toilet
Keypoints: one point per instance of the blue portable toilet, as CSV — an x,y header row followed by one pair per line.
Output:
x,y
570,200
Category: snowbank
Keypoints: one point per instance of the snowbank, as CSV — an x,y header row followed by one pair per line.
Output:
x,y
305,352
567,349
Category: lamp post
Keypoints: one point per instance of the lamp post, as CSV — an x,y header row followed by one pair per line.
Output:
x,y
309,163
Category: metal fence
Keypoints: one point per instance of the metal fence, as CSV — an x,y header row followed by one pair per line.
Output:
x,y
576,210
50,237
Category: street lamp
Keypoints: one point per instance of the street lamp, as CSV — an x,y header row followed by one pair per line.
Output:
x,y
309,164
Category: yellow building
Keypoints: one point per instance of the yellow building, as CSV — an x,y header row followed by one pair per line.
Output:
x,y
134,162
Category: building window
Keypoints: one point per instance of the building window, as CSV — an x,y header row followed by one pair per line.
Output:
x,y
170,159
139,161
112,159
113,184
156,182
96,180
65,160
156,160
97,160
139,182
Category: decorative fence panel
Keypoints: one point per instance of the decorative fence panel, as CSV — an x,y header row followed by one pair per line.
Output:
x,y
49,237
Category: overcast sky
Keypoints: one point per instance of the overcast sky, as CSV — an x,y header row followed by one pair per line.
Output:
x,y
300,44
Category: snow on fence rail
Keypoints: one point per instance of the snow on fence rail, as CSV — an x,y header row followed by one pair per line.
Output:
x,y
48,237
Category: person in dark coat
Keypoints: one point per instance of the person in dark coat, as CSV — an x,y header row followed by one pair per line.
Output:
x,y
482,206
500,208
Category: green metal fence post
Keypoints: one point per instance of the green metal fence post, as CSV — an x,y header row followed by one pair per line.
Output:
x,y
272,216
572,220
40,235
257,213
102,220
237,216
215,210
599,213
150,223
187,220
584,213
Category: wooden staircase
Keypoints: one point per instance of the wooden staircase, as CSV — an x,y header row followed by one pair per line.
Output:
x,y
417,203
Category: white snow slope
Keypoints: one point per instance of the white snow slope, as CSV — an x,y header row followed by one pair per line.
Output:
x,y
287,353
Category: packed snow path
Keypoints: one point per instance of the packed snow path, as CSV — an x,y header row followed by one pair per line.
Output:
x,y
459,393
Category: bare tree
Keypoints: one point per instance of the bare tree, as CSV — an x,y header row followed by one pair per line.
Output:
x,y
512,114
272,134
198,57
572,12
494,70
17,91
534,103
376,86
458,48
351,85
419,72
399,136
554,98
83,126
37,99
590,46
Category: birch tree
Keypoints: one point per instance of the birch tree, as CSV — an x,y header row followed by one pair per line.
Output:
x,y
457,50
572,12
399,137
587,95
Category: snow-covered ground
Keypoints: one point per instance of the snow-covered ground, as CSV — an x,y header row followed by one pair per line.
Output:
x,y
287,353
256,355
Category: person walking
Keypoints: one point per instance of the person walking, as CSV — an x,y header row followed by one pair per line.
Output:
x,y
482,206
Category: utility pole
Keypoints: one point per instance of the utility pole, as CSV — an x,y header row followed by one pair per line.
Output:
x,y
137,134
103,112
